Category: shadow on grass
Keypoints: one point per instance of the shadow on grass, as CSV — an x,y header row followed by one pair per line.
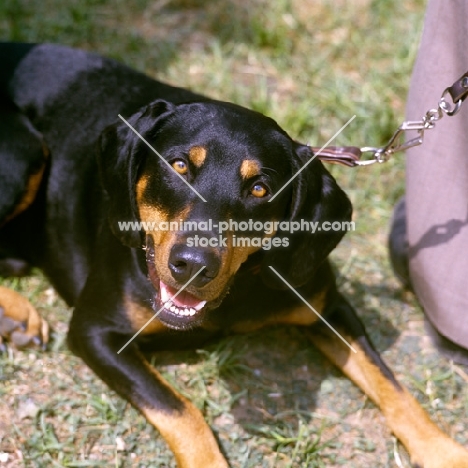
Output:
x,y
276,376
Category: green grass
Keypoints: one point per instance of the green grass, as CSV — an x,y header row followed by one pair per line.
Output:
x,y
272,400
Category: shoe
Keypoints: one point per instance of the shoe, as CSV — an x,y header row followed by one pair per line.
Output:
x,y
398,245
398,250
447,348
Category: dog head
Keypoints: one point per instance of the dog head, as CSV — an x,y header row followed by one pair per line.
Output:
x,y
201,196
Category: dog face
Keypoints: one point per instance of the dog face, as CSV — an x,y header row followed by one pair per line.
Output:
x,y
203,197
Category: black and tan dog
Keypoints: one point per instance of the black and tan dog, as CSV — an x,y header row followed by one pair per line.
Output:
x,y
71,173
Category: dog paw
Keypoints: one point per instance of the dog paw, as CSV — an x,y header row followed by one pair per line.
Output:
x,y
20,323
443,454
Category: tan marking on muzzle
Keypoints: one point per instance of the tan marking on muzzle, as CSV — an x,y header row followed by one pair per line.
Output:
x,y
139,316
153,216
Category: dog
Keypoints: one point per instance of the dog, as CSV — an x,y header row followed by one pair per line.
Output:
x,y
89,148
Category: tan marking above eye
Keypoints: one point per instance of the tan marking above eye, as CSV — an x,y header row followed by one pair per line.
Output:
x,y
259,191
180,166
249,168
197,155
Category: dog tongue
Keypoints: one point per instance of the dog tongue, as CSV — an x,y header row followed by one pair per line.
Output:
x,y
183,300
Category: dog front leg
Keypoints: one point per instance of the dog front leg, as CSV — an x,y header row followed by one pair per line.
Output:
x,y
427,445
180,423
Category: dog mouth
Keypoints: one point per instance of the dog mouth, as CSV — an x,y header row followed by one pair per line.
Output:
x,y
176,308
180,303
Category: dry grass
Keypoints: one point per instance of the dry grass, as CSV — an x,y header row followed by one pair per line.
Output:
x,y
273,400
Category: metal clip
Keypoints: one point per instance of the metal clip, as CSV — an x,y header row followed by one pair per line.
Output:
x,y
449,109
384,153
394,145
458,91
368,162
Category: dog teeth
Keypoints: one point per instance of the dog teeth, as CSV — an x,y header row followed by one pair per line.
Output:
x,y
199,306
183,312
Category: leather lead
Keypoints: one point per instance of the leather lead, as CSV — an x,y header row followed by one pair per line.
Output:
x,y
459,90
344,155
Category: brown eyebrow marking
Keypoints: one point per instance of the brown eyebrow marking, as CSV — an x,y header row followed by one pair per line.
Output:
x,y
249,168
197,155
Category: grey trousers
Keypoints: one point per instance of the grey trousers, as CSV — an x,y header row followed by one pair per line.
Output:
x,y
437,175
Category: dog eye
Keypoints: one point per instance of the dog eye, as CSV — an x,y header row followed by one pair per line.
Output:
x,y
259,191
180,166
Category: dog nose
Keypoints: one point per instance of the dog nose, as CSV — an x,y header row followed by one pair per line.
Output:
x,y
185,261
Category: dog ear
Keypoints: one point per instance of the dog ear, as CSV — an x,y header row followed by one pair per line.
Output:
x,y
316,197
120,155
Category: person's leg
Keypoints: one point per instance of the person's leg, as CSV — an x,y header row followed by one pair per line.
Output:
x,y
437,177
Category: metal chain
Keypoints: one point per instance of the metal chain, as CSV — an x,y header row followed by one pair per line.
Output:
x,y
428,122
